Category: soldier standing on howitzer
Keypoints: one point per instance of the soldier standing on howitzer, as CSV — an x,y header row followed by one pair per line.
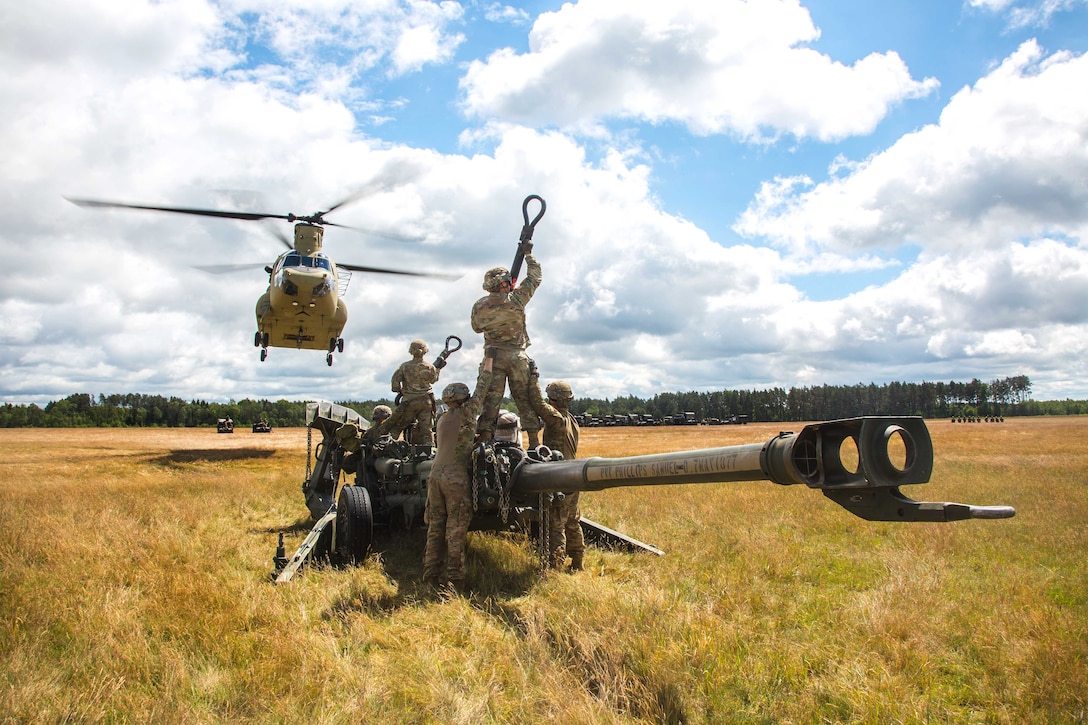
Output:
x,y
415,405
560,434
449,498
500,316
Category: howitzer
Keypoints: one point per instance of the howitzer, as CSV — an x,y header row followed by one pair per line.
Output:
x,y
890,452
858,463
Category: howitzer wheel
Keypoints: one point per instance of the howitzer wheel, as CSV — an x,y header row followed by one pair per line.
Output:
x,y
354,524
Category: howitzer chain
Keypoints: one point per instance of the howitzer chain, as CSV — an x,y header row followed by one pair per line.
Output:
x,y
544,506
504,503
309,451
477,471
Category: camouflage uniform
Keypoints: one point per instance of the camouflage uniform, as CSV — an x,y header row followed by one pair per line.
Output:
x,y
449,501
500,316
564,517
415,411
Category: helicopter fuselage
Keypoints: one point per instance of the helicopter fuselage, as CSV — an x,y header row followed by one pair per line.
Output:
x,y
302,307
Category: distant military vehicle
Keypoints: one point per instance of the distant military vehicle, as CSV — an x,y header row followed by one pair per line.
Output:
x,y
262,426
224,425
386,481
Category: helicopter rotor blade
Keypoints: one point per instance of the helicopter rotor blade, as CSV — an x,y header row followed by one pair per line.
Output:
x,y
374,232
379,270
278,234
226,268
396,176
248,216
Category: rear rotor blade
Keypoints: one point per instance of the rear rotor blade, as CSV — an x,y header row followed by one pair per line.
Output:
x,y
397,175
379,270
375,232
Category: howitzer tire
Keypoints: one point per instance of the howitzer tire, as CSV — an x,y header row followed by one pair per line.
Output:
x,y
354,524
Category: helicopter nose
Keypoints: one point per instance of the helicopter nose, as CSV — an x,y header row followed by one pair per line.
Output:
x,y
306,285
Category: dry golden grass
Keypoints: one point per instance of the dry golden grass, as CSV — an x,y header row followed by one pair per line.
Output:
x,y
134,588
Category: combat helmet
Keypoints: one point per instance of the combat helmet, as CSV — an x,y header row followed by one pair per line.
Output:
x,y
417,347
380,413
559,391
494,278
455,393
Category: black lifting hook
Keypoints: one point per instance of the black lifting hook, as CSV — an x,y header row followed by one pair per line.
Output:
x,y
440,361
526,234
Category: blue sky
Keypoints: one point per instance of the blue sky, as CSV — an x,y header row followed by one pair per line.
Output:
x,y
740,195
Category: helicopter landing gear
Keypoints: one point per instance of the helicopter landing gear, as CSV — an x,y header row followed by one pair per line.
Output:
x,y
260,339
336,344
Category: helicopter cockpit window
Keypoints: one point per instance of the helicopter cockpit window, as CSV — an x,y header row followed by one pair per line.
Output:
x,y
294,259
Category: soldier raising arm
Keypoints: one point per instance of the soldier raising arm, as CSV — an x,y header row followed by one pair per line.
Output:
x,y
415,406
500,316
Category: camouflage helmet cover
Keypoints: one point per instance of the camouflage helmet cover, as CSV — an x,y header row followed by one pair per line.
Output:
x,y
455,393
560,391
417,347
381,412
494,278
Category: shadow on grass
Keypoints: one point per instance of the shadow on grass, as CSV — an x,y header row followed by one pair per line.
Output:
x,y
491,575
212,455
302,524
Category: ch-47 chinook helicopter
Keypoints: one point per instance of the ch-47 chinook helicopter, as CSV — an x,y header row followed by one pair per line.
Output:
x,y
303,307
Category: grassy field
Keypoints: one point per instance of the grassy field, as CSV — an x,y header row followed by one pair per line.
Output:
x,y
134,587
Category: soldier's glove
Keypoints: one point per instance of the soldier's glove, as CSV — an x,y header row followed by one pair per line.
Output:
x,y
526,247
533,371
440,362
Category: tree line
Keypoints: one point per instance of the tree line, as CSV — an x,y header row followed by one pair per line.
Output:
x,y
1007,397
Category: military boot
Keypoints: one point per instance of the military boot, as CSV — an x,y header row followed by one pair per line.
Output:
x,y
576,561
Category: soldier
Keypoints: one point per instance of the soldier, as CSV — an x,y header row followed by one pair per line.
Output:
x,y
500,316
449,502
379,415
415,405
560,434
508,427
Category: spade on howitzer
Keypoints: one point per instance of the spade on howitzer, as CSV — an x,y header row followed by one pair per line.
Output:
x,y
859,463
526,238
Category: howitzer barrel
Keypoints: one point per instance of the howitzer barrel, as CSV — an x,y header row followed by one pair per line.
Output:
x,y
859,463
